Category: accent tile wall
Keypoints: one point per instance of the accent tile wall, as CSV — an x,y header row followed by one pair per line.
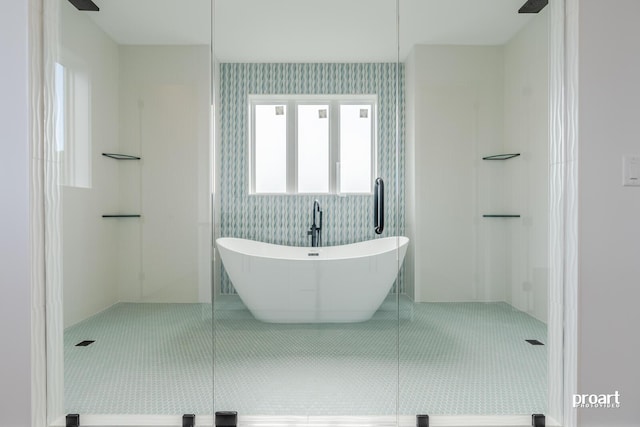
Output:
x,y
286,219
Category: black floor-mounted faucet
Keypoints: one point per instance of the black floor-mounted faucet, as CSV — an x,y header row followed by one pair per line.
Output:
x,y
316,228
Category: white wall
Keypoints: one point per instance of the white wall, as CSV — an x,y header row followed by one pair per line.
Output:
x,y
454,118
15,327
464,103
526,131
153,102
164,118
609,229
89,241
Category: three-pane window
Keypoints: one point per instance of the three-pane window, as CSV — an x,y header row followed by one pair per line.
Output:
x,y
312,144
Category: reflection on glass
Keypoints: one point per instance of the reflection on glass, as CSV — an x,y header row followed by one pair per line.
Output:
x,y
313,149
139,291
270,148
355,148
59,106
73,124
326,355
134,301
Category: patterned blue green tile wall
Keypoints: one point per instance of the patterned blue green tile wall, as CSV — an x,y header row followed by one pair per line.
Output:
x,y
285,219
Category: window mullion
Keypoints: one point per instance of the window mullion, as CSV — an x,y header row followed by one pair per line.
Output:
x,y
252,149
374,145
334,143
292,148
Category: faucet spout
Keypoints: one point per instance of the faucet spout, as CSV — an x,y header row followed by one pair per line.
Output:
x,y
316,225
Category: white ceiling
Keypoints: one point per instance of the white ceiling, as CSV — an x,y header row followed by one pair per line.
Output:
x,y
310,30
157,22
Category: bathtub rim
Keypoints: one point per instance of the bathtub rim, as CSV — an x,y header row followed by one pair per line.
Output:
x,y
399,247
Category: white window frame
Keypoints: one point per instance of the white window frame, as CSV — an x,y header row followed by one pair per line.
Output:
x,y
291,102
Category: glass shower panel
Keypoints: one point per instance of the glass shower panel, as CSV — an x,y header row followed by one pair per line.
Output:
x,y
133,139
473,316
305,304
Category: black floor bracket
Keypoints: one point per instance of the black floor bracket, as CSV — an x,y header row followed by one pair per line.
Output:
x,y
226,419
188,420
73,420
422,420
537,420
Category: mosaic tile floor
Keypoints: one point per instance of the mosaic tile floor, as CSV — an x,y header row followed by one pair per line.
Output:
x,y
455,358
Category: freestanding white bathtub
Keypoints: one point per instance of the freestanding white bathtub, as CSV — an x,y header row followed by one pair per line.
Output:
x,y
333,284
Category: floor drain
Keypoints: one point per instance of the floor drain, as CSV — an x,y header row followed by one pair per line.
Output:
x,y
534,342
84,343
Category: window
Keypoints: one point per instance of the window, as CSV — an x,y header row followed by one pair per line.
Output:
x,y
311,144
73,122
270,146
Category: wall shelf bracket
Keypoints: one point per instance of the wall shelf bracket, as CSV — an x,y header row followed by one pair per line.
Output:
x,y
121,156
501,156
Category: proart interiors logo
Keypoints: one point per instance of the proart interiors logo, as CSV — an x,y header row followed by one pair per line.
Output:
x,y
597,400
